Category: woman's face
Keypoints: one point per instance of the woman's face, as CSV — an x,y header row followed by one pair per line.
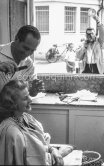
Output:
x,y
23,101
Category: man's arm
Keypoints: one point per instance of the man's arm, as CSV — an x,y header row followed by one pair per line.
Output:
x,y
35,85
8,67
101,34
100,28
80,53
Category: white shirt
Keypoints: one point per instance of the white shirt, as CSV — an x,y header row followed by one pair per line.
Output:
x,y
6,55
90,55
70,56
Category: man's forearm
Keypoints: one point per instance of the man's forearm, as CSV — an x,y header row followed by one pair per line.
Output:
x,y
101,32
80,53
100,28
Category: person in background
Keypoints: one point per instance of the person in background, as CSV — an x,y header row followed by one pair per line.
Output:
x,y
91,53
22,138
70,59
18,53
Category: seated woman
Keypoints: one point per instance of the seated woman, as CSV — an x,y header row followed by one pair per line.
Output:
x,y
22,138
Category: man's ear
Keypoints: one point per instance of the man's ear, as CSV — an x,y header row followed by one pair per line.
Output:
x,y
16,38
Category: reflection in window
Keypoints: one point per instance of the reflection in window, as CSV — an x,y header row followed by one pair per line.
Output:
x,y
42,18
70,19
84,19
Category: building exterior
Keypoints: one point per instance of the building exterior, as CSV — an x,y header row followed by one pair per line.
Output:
x,y
62,21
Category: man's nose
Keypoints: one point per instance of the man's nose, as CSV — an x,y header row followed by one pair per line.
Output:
x,y
31,52
28,53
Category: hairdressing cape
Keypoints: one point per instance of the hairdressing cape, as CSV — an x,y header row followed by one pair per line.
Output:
x,y
23,145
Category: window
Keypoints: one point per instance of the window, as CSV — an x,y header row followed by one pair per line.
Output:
x,y
84,19
70,19
42,18
59,24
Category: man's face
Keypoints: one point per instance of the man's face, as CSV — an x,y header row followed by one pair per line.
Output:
x,y
90,35
27,47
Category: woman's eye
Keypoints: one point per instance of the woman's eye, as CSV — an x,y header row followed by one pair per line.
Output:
x,y
25,98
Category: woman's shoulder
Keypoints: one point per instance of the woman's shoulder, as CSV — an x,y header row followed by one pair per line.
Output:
x,y
9,128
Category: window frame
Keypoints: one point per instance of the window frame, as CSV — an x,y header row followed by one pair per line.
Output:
x,y
70,15
43,23
87,24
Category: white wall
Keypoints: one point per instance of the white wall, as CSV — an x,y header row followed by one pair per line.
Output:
x,y
94,2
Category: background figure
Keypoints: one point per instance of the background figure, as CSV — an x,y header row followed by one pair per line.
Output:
x,y
22,138
18,53
91,52
70,59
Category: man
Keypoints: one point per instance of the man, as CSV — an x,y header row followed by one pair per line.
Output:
x,y
91,53
17,54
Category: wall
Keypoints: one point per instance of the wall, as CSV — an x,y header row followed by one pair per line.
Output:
x,y
17,11
4,21
12,16
95,2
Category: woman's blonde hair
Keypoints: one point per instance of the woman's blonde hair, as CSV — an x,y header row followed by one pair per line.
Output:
x,y
9,94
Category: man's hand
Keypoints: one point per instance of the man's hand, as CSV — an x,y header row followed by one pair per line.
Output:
x,y
96,18
8,67
85,44
35,87
71,64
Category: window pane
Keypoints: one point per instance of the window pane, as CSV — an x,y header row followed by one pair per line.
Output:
x,y
84,19
42,18
70,19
